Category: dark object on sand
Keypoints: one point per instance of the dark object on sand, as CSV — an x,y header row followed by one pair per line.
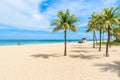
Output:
x,y
83,40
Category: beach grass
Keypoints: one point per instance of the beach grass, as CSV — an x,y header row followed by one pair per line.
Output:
x,y
114,42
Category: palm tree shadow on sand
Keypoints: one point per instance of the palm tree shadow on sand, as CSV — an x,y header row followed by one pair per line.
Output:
x,y
45,56
79,47
115,67
81,56
83,49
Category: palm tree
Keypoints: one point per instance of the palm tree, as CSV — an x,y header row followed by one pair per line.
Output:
x,y
90,28
111,17
93,27
116,33
99,21
64,22
103,32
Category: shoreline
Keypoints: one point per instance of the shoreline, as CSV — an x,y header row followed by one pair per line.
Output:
x,y
46,62
19,44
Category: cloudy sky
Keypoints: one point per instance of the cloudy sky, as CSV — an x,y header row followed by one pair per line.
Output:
x,y
30,19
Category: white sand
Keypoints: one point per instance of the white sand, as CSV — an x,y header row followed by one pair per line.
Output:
x,y
46,62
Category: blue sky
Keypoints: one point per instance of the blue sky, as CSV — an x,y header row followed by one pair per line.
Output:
x,y
30,19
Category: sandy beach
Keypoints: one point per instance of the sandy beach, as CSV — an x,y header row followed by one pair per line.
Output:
x,y
46,62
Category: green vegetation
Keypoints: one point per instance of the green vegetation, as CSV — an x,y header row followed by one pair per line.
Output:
x,y
65,22
111,17
106,21
114,43
117,40
92,27
96,23
116,33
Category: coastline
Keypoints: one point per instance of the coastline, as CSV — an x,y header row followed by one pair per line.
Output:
x,y
32,42
46,62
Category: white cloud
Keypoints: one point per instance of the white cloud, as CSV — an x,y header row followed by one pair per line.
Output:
x,y
25,14
83,24
21,14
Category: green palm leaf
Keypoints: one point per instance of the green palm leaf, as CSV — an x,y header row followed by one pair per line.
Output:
x,y
65,21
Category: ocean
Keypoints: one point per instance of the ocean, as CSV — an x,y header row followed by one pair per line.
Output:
x,y
27,42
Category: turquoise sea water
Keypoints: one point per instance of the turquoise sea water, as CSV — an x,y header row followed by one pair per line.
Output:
x,y
26,42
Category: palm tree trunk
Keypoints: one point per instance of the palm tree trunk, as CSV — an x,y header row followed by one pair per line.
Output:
x,y
100,40
93,39
103,36
108,41
65,52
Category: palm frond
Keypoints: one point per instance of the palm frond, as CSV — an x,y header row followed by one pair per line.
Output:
x,y
66,25
116,21
65,21
72,19
57,28
73,28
